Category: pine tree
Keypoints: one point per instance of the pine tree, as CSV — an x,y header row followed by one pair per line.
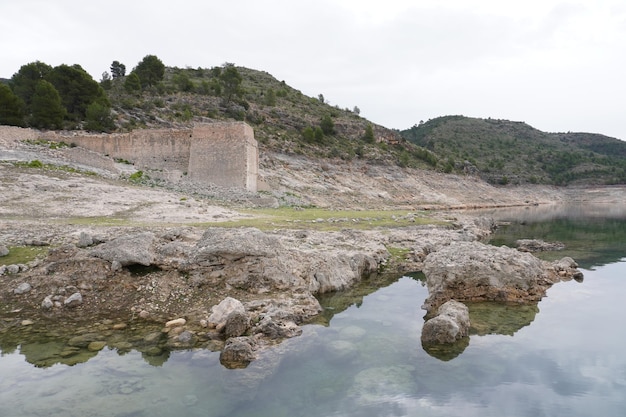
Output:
x,y
47,110
11,107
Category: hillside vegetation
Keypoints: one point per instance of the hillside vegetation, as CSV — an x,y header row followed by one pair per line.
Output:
x,y
506,152
285,120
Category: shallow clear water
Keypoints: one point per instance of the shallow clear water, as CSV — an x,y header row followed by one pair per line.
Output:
x,y
563,357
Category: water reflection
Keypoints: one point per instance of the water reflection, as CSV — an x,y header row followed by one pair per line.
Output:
x,y
561,357
594,234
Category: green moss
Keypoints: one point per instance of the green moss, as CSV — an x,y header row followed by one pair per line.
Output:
x,y
23,254
136,176
326,220
37,164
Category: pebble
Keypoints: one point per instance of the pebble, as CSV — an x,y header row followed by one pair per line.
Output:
x,y
176,323
22,288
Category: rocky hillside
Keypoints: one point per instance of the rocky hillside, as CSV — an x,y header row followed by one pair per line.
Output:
x,y
288,122
284,119
504,152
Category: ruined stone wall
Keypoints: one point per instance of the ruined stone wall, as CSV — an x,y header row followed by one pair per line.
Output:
x,y
150,148
10,134
225,152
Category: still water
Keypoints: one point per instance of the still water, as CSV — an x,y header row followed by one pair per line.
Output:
x,y
562,357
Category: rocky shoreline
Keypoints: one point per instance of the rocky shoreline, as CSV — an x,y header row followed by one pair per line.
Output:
x,y
112,257
240,290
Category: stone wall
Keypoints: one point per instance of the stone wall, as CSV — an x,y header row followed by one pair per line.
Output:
x,y
224,154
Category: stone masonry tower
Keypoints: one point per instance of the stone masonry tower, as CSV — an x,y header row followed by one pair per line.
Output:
x,y
225,154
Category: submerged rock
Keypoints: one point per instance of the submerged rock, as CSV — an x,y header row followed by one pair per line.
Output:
x,y
451,324
537,245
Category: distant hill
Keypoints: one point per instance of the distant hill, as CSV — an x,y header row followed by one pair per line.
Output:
x,y
507,152
280,115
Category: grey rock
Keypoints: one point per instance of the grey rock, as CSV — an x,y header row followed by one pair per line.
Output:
x,y
84,240
128,250
220,312
451,324
24,287
73,300
237,324
277,329
473,271
12,269
116,266
4,251
238,352
47,303
234,244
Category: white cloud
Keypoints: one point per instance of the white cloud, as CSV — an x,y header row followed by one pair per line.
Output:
x,y
554,64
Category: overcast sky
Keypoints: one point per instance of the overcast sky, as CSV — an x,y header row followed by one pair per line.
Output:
x,y
556,65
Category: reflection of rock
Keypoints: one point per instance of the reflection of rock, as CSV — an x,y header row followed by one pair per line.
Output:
x,y
451,324
498,318
473,271
238,352
537,245
447,352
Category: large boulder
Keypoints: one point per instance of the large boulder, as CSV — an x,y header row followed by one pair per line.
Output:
x,y
220,313
473,271
136,249
224,244
451,324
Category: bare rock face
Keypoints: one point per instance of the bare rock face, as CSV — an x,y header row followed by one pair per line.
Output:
x,y
128,250
451,324
223,244
473,271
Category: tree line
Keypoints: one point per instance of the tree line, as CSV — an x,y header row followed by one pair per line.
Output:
x,y
67,97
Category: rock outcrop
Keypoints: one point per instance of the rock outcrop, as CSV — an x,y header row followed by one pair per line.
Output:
x,y
473,271
134,249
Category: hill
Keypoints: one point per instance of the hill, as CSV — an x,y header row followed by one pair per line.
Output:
x,y
287,121
284,119
503,152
